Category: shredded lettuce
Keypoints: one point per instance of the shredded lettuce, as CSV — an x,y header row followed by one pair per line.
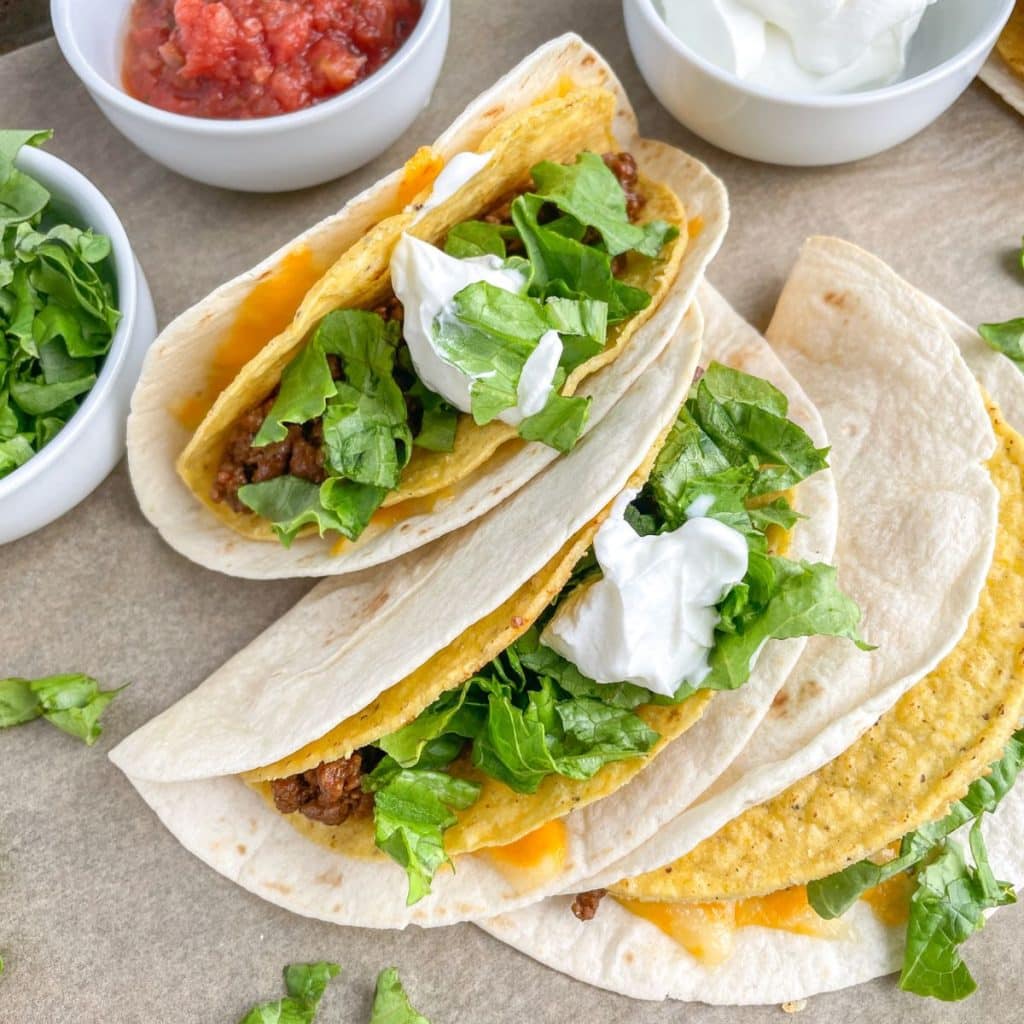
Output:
x,y
522,721
1007,338
951,895
412,809
73,702
391,1004
733,444
305,985
591,194
57,311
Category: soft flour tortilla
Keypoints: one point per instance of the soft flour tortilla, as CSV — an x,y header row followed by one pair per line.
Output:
x,y
178,363
1004,70
358,630
917,524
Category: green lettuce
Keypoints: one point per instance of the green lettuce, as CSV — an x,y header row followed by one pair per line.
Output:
x,y
522,722
366,432
591,194
391,1004
491,336
950,897
1007,338
305,985
57,311
73,702
564,267
412,809
289,503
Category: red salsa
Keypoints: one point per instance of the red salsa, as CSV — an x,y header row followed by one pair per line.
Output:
x,y
256,58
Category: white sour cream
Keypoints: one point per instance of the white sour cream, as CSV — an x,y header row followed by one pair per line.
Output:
x,y
462,167
651,619
426,281
809,46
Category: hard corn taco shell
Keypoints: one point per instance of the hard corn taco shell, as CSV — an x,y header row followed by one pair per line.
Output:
x,y
929,744
332,688
559,101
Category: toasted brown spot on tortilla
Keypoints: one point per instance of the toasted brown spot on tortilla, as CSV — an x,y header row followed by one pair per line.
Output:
x,y
280,887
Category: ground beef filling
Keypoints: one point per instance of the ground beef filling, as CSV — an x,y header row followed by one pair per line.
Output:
x,y
330,793
585,905
301,452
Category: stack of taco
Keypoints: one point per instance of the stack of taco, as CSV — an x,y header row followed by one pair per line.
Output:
x,y
709,655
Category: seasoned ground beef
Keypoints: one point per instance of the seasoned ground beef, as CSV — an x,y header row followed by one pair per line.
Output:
x,y
623,166
299,454
585,905
330,793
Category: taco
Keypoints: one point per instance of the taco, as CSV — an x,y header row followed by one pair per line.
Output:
x,y
828,848
448,709
477,313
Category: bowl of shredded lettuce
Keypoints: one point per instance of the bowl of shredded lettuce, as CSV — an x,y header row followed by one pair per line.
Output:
x,y
76,318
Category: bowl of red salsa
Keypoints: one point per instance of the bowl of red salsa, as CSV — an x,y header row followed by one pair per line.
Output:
x,y
257,95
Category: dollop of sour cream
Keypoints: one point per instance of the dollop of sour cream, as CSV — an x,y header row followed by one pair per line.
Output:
x,y
651,619
426,281
809,46
462,168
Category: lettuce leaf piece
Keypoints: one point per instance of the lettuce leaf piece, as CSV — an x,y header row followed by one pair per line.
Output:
x,y
289,503
412,809
946,909
1007,338
748,431
73,702
833,896
478,238
439,420
491,337
806,601
21,197
590,193
391,1004
559,424
566,268
305,985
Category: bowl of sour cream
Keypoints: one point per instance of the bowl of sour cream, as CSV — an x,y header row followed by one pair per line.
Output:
x,y
810,82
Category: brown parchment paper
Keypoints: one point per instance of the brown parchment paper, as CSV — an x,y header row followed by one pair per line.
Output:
x,y
103,916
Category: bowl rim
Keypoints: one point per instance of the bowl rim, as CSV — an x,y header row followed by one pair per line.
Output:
x,y
985,40
70,185
433,13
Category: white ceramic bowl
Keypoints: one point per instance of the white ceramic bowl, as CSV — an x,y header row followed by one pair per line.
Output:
x,y
78,459
952,43
270,154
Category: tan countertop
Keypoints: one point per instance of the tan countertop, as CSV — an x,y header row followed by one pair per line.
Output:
x,y
103,916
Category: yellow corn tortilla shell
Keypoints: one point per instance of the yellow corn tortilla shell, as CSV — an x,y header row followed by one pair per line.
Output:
x,y
906,771
500,815
557,129
1011,42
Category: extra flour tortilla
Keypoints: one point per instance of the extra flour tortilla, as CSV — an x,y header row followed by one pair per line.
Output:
x,y
283,690
868,346
1004,69
178,363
